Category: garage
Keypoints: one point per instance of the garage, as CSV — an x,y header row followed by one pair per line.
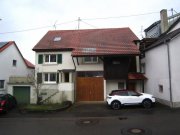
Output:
x,y
22,94
90,89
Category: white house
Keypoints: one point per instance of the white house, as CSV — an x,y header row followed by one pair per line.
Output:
x,y
85,65
14,70
161,65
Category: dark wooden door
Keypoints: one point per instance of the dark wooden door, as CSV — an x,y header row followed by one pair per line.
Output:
x,y
90,89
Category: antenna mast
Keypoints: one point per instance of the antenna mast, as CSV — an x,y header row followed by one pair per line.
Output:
x,y
79,20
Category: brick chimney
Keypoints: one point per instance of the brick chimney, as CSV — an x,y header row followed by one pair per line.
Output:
x,y
164,20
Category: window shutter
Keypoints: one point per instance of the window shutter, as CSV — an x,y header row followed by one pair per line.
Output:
x,y
59,58
57,79
40,59
39,78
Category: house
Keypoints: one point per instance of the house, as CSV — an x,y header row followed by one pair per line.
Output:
x,y
160,63
14,71
85,65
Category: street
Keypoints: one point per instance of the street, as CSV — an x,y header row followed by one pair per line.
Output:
x,y
83,121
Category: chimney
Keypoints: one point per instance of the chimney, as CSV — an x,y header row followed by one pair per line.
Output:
x,y
164,20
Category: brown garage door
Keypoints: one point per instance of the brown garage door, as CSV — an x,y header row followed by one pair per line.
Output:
x,y
90,89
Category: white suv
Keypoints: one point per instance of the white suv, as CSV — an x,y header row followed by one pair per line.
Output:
x,y
117,98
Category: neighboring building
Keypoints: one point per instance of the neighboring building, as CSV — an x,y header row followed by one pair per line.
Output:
x,y
14,70
159,27
160,63
85,65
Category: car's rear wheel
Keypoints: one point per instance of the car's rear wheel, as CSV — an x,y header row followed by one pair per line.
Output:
x,y
116,105
147,103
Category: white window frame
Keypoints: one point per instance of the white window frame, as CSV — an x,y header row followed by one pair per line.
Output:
x,y
48,78
49,59
91,60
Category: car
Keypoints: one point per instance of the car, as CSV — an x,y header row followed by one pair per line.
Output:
x,y
118,98
7,102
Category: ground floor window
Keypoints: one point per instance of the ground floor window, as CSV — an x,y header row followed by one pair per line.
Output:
x,y
1,84
50,77
121,85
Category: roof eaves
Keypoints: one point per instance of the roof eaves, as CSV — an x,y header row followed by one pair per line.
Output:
x,y
164,39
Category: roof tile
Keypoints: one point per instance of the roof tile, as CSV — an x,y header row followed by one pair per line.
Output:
x,y
91,41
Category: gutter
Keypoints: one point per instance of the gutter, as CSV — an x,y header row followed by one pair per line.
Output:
x,y
169,72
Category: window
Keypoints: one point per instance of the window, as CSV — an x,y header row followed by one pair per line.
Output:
x,y
1,84
14,63
90,59
66,77
120,85
161,88
57,39
50,58
50,77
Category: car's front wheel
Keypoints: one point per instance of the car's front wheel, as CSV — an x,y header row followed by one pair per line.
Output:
x,y
147,103
116,105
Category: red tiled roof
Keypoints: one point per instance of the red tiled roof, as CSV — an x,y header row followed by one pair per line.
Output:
x,y
112,41
136,76
29,64
9,43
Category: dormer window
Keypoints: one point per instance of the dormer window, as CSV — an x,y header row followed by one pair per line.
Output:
x,y
57,39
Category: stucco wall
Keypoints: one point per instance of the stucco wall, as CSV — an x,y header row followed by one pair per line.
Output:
x,y
156,70
175,67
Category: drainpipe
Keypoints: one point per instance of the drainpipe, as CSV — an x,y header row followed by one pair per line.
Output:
x,y
169,72
74,79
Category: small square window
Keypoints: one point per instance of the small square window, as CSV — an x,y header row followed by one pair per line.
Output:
x,y
14,63
1,84
161,88
120,85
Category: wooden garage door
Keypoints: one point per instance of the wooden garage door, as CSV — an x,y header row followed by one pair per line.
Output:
x,y
90,89
22,94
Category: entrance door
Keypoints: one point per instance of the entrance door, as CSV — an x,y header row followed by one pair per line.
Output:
x,y
90,89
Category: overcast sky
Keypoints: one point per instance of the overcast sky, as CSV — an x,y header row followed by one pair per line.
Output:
x,y
27,21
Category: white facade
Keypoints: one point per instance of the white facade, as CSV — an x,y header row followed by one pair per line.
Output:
x,y
163,73
7,69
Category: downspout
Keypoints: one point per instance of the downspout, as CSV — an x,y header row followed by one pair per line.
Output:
x,y
74,79
169,72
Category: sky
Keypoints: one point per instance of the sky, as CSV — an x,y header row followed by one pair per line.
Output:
x,y
27,21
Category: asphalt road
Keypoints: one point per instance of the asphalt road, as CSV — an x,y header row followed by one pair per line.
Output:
x,y
94,119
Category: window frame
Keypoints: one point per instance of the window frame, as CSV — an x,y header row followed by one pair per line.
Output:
x,y
47,78
91,60
49,60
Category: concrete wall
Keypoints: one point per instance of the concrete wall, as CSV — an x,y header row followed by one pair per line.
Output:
x,y
7,69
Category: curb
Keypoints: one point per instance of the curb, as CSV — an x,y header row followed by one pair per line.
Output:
x,y
66,105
